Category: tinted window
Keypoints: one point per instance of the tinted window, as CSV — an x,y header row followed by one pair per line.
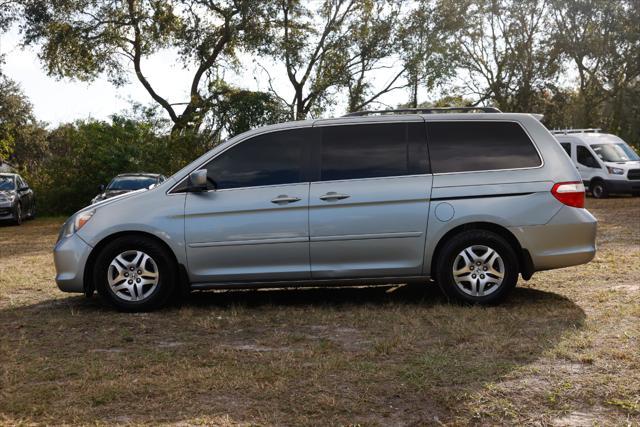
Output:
x,y
475,146
567,147
585,158
373,150
270,159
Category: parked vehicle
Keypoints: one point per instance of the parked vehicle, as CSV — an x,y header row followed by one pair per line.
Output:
x,y
17,201
470,199
127,182
606,163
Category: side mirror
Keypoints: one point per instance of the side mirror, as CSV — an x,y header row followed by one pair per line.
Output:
x,y
101,188
198,180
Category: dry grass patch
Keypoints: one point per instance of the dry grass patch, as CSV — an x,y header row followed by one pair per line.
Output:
x,y
564,350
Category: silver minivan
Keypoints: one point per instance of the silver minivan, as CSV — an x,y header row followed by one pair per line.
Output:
x,y
470,199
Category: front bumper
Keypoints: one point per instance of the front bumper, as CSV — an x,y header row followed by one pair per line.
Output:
x,y
620,186
70,257
6,210
569,238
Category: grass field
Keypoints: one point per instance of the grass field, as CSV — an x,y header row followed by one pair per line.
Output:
x,y
563,350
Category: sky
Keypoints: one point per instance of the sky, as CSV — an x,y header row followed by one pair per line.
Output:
x,y
57,101
63,100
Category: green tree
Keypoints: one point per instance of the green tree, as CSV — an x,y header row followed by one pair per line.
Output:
x,y
601,39
428,44
22,137
85,154
311,45
86,38
373,40
9,11
239,110
506,51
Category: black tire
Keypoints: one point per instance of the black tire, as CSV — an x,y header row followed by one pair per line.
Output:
x,y
17,214
599,189
32,212
161,257
455,245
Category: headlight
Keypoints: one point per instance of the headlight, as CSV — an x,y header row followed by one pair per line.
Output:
x,y
75,223
9,198
615,171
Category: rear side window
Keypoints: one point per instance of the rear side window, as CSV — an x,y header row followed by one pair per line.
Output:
x,y
457,146
567,147
373,150
269,159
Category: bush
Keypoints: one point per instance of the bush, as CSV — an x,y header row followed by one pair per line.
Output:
x,y
88,153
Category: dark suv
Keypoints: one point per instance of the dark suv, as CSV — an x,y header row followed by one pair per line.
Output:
x,y
17,201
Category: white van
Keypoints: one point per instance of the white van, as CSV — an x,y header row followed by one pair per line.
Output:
x,y
606,163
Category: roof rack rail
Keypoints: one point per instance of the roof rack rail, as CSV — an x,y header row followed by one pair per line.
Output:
x,y
424,111
568,131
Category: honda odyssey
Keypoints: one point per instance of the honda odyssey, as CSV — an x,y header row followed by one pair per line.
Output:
x,y
470,199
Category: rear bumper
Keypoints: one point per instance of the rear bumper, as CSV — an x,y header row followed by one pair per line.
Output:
x,y
70,257
569,238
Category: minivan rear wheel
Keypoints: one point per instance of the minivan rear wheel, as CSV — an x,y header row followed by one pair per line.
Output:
x,y
134,273
477,266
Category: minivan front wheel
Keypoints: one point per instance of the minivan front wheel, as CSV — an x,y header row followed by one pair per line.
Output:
x,y
134,273
477,266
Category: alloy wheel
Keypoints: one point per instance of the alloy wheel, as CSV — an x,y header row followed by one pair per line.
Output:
x,y
478,270
133,275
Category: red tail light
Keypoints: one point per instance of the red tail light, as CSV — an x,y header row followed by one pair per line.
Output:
x,y
569,193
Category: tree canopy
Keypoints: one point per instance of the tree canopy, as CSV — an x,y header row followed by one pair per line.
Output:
x,y
86,38
575,61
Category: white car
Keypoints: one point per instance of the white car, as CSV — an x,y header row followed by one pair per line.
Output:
x,y
606,163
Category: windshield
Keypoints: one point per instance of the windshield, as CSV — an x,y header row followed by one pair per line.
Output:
x,y
131,183
620,152
7,183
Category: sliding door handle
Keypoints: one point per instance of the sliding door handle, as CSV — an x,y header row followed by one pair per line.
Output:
x,y
284,199
332,195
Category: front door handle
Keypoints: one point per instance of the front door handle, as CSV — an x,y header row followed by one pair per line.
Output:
x,y
284,199
332,195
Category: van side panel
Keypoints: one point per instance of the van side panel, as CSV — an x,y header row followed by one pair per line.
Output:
x,y
511,198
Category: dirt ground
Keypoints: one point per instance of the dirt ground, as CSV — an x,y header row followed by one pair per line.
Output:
x,y
563,350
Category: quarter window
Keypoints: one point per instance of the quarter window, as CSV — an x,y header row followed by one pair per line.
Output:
x,y
373,150
585,158
269,159
457,146
567,147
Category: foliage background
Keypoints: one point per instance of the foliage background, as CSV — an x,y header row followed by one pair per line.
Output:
x,y
575,61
